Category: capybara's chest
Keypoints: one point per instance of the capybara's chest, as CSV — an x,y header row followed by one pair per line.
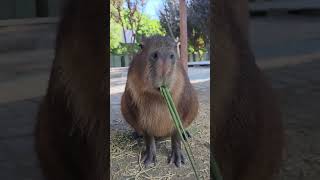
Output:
x,y
155,118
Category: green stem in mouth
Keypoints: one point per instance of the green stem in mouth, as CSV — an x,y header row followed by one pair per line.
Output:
x,y
178,124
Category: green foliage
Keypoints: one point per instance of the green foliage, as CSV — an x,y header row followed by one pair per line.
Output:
x,y
115,34
139,23
197,23
149,27
169,18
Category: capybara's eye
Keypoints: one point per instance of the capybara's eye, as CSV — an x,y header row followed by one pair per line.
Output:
x,y
171,56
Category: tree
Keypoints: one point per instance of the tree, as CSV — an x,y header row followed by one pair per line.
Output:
x,y
149,27
115,36
197,23
183,33
169,18
126,13
198,33
198,13
117,17
122,19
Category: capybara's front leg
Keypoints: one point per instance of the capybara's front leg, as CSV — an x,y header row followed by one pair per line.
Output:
x,y
149,156
176,155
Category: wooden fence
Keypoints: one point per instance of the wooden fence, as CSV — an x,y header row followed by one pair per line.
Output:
x,y
115,60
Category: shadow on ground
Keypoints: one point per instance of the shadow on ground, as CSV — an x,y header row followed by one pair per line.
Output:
x,y
298,87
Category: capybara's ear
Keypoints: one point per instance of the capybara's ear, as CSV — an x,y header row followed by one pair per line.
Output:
x,y
143,41
141,45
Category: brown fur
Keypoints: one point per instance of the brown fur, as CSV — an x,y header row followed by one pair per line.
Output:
x,y
70,133
248,133
145,110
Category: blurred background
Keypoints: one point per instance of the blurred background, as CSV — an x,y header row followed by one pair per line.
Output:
x,y
285,36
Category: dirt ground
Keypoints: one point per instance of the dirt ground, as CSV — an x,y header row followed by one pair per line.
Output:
x,y
126,152
299,91
298,87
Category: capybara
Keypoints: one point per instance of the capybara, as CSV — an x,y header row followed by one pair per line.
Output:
x,y
247,128
71,128
142,104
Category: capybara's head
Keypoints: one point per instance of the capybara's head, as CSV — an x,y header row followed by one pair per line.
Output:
x,y
156,62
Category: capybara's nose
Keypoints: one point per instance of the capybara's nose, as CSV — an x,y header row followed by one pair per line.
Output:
x,y
155,55
164,65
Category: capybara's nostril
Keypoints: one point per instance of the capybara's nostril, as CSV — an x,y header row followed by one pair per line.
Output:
x,y
155,55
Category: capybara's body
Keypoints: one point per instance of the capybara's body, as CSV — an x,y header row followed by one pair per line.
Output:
x,y
248,135
70,132
142,105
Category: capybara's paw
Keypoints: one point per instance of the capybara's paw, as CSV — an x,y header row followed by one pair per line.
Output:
x,y
149,158
176,157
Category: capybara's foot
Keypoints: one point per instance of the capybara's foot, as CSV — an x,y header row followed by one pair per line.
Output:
x,y
176,157
149,158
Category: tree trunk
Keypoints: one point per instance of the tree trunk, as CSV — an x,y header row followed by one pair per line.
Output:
x,y
183,34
